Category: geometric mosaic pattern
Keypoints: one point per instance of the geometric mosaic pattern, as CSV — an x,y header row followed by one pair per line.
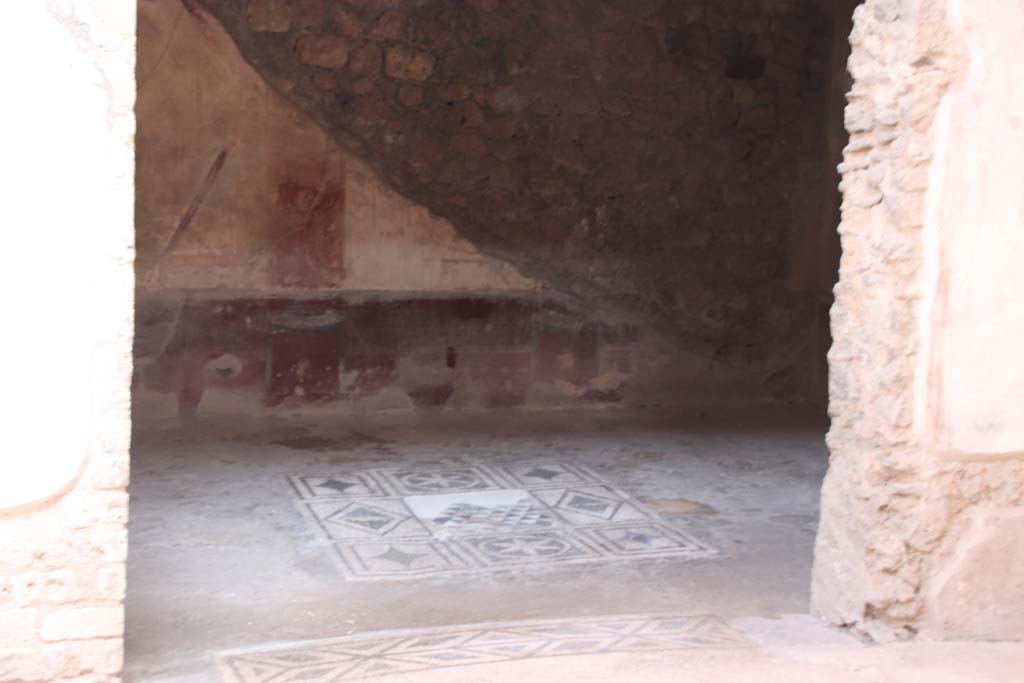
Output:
x,y
521,514
394,523
381,654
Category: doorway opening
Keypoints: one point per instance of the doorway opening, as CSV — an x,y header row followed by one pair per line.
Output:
x,y
446,325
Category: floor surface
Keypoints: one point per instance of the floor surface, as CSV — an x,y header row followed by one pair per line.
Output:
x,y
250,535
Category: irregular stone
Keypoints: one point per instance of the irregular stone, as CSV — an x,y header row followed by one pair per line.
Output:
x,y
429,33
506,151
308,14
452,92
105,656
410,95
888,10
18,627
689,40
743,94
329,52
77,623
502,129
406,64
352,25
508,100
271,16
325,80
472,117
979,592
473,65
365,61
388,26
469,144
363,86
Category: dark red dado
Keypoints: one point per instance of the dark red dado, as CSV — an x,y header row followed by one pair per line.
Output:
x,y
471,351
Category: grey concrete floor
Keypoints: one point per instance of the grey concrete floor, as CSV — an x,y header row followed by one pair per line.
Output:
x,y
220,556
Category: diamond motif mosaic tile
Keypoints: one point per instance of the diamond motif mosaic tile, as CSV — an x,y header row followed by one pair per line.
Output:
x,y
388,653
437,520
372,518
398,559
352,484
548,473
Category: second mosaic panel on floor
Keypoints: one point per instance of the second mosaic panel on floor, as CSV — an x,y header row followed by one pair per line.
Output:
x,y
393,523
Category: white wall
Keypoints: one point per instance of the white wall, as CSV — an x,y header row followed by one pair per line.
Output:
x,y
66,293
976,233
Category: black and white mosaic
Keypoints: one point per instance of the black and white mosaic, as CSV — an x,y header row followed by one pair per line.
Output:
x,y
436,520
351,484
382,654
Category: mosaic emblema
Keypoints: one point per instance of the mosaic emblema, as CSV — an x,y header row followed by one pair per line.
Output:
x,y
415,521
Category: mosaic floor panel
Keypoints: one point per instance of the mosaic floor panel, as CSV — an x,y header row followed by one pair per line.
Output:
x,y
395,523
381,654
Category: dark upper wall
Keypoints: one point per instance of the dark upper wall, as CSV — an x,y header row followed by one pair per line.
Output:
x,y
664,159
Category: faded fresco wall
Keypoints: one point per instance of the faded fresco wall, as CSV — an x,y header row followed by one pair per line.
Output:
x,y
239,190
250,213
922,528
66,275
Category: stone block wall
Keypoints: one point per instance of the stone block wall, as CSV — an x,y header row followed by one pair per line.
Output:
x,y
62,581
67,288
915,539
